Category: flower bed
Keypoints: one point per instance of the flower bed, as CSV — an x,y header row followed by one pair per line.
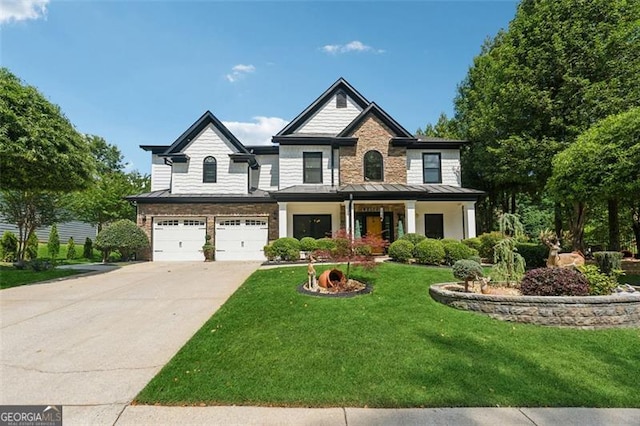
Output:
x,y
618,310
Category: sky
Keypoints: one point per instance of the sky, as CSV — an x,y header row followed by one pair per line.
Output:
x,y
141,72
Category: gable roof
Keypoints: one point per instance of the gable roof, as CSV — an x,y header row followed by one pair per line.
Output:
x,y
206,119
340,85
381,114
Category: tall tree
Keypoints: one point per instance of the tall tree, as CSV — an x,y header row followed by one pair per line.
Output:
x,y
445,127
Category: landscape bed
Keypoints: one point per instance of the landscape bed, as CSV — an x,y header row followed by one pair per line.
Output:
x,y
396,347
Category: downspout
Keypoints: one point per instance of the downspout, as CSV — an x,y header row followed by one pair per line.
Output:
x,y
464,230
333,163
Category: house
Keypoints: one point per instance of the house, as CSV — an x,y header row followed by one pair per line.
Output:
x,y
343,162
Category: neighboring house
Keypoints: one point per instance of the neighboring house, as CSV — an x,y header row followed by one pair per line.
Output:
x,y
78,230
342,163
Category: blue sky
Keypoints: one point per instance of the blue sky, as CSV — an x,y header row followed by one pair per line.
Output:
x,y
141,72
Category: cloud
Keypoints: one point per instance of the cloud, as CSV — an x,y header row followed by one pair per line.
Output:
x,y
239,71
21,10
258,132
352,46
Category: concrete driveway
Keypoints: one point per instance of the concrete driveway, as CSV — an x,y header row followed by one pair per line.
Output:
x,y
92,343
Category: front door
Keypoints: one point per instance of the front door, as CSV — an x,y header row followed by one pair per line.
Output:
x,y
374,227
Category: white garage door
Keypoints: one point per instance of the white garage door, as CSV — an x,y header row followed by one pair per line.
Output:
x,y
241,238
178,238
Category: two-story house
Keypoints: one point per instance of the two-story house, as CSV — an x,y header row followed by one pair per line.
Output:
x,y
342,163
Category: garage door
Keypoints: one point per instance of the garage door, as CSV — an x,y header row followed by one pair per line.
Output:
x,y
241,238
178,238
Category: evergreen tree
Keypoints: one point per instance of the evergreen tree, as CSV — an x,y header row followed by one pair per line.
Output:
x,y
53,246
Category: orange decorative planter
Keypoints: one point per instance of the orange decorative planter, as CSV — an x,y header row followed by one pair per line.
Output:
x,y
330,278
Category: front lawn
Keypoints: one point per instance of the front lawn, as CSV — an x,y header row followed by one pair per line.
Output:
x,y
269,345
12,277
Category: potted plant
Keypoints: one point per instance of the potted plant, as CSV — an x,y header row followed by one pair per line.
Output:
x,y
208,249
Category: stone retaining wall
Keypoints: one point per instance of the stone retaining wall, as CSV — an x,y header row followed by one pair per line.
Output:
x,y
579,312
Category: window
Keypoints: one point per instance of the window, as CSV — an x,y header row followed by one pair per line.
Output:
x,y
254,222
316,226
209,170
191,222
373,166
431,170
230,222
312,167
168,222
434,225
341,100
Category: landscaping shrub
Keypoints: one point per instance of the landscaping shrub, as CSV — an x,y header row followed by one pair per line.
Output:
x,y
535,255
39,265
467,270
455,250
475,258
401,250
71,249
8,247
31,248
53,245
413,238
308,244
599,284
124,236
554,282
429,251
286,248
87,249
326,244
487,243
474,243
269,252
608,261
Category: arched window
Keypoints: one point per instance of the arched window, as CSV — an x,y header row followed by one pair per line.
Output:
x,y
209,170
373,166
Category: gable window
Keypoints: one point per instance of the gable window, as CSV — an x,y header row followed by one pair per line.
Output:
x,y
434,225
431,168
341,100
312,164
373,166
209,170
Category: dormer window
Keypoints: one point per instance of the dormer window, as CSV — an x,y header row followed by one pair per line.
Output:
x,y
341,100
209,170
373,166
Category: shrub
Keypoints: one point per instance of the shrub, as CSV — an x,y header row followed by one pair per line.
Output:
x,y
467,270
71,249
123,236
599,284
286,248
401,250
326,244
455,250
608,261
87,249
413,238
308,244
31,248
554,282
429,251
269,252
535,255
476,259
40,265
487,243
53,245
8,247
473,243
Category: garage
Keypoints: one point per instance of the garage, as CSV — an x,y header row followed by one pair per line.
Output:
x,y
241,238
178,238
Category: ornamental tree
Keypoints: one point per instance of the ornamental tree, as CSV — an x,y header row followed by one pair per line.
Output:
x,y
122,235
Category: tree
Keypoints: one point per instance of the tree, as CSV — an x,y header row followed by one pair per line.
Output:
x,y
71,248
122,235
53,244
39,148
445,127
31,248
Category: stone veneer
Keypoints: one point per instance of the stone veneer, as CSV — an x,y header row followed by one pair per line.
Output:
x,y
617,310
208,210
373,134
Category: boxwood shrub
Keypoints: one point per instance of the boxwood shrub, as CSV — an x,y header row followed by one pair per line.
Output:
x,y
429,251
413,238
474,243
286,248
487,242
554,282
401,250
326,244
455,250
308,244
535,255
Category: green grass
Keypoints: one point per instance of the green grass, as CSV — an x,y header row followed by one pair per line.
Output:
x,y
269,345
61,258
12,277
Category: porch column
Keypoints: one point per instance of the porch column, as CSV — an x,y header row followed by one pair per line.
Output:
x,y
348,219
282,219
470,220
410,215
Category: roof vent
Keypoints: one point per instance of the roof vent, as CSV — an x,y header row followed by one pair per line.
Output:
x,y
341,100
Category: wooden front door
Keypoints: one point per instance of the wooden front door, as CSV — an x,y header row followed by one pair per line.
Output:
x,y
374,227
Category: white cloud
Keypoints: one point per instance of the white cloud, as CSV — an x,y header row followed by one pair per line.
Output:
x,y
258,132
21,10
352,46
239,71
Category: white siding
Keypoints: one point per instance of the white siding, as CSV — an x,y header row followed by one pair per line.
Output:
x,y
291,164
329,119
231,177
452,217
266,177
78,230
450,163
160,173
313,208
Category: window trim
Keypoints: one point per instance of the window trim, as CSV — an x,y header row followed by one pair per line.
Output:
x,y
364,165
424,169
206,164
305,157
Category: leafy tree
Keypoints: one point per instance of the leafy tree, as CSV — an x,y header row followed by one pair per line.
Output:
x,y
122,235
445,127
71,249
53,245
31,249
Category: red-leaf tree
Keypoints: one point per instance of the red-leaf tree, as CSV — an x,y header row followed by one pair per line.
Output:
x,y
357,251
